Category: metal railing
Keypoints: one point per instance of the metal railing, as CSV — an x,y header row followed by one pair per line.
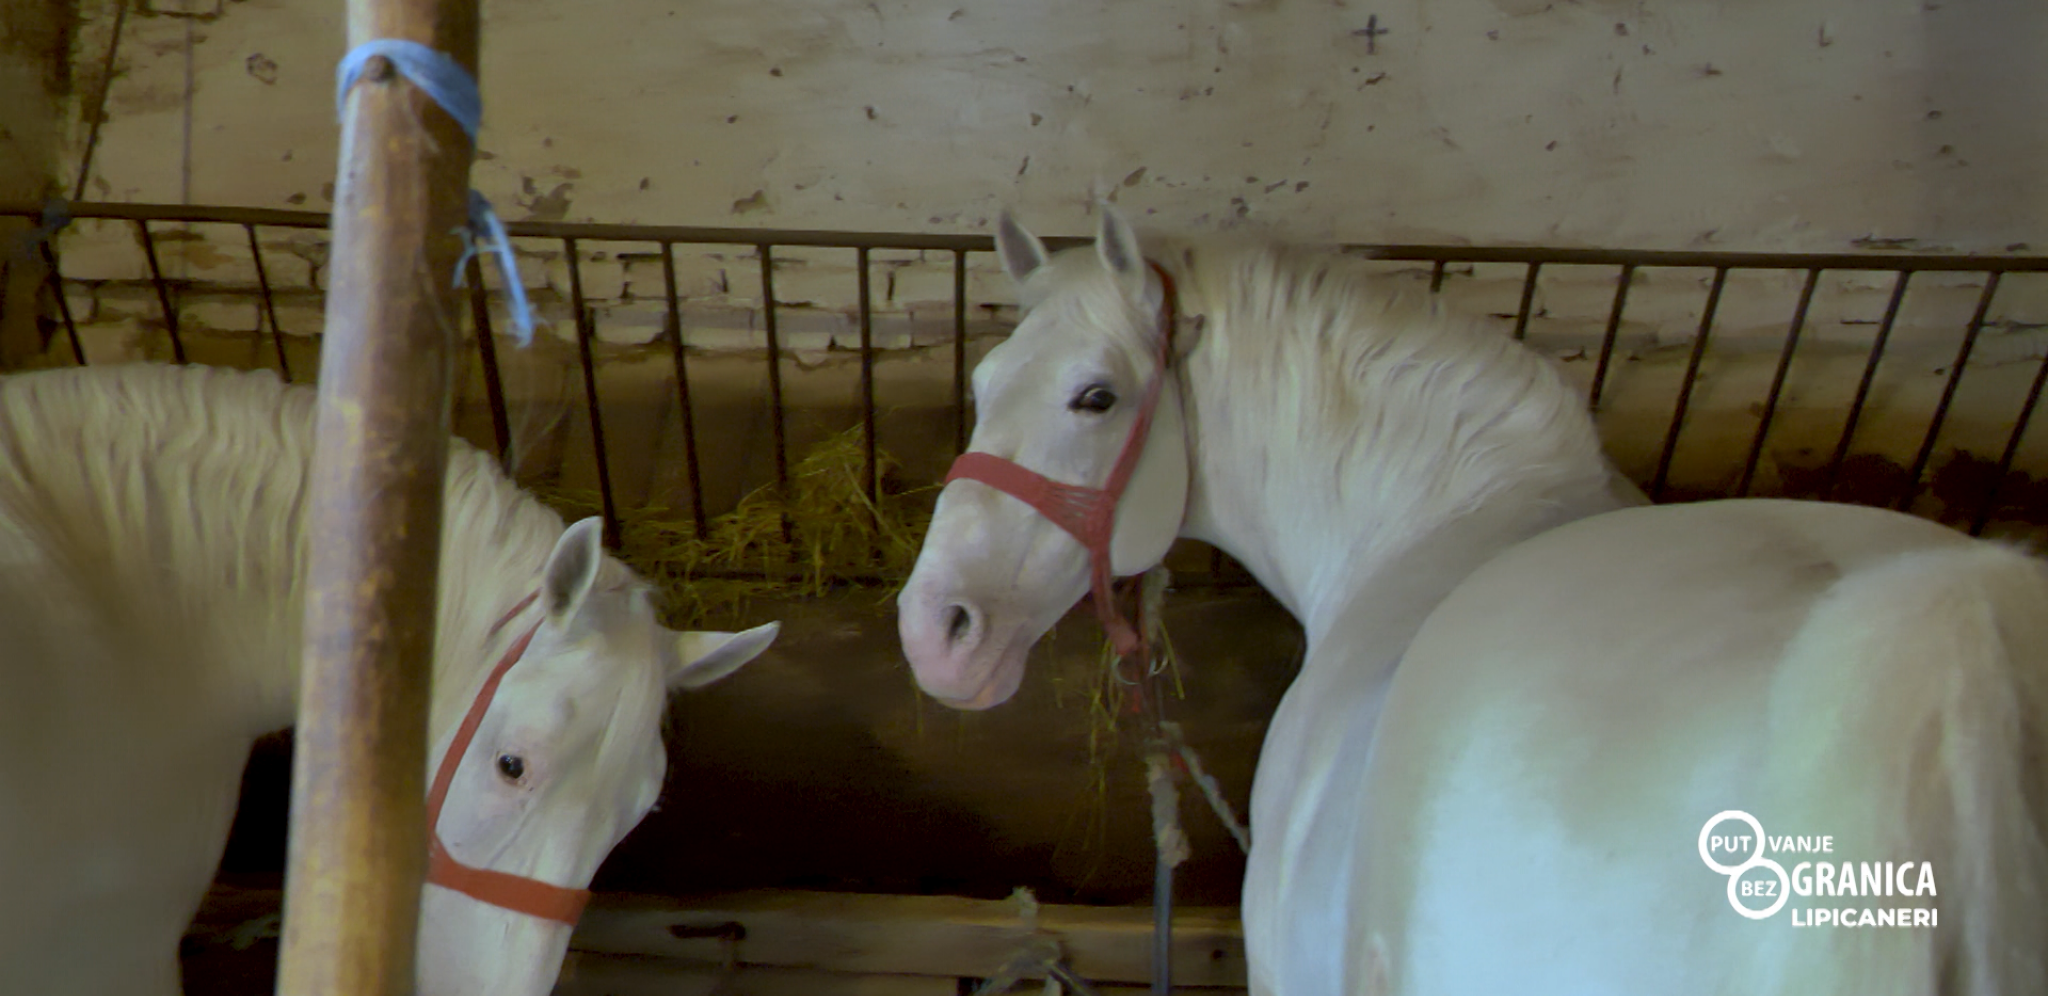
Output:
x,y
1626,264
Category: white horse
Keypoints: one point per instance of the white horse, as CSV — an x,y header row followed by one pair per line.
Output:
x,y
1529,697
152,547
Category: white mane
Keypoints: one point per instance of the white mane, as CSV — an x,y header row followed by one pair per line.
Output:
x,y
166,490
1395,407
1348,360
1397,417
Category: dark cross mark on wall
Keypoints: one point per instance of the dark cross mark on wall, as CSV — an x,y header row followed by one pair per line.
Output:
x,y
1371,33
262,68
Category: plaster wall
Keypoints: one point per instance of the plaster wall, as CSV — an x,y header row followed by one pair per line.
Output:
x,y
1801,124
1797,124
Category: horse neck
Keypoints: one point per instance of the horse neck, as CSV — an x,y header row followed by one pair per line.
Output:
x,y
175,527
1388,486
192,535
494,541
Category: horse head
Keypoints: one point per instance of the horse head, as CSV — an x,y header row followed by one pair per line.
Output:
x,y
1077,470
557,755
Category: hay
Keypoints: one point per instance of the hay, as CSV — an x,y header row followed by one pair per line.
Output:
x,y
1105,698
836,534
835,537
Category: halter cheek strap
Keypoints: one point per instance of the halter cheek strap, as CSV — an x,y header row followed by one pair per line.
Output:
x,y
1089,514
519,894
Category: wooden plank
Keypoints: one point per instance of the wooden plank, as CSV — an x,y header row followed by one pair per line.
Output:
x,y
932,937
586,974
912,935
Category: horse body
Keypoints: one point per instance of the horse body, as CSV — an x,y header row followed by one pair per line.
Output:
x,y
1361,565
1571,714
1307,809
114,805
152,552
1524,690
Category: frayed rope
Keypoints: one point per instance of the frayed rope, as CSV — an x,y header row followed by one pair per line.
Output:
x,y
1177,744
1041,955
1167,836
455,90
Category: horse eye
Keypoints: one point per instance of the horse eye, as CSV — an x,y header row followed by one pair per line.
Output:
x,y
1094,398
512,766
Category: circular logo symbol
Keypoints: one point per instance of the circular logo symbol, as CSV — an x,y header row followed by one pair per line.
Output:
x,y
1777,894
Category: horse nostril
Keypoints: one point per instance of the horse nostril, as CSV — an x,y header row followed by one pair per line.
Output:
x,y
958,621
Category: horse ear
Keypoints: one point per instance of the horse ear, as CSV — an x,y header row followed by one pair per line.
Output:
x,y
1020,250
1117,244
572,570
702,658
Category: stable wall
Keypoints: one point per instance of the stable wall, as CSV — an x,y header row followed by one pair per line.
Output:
x,y
1801,124
1793,124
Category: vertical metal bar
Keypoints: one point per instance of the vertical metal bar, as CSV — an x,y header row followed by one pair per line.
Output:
x,y
1628,272
2012,449
1763,428
1884,334
1436,276
674,327
163,292
869,478
1948,393
585,332
959,351
1528,301
358,844
487,354
1692,370
775,390
284,365
56,283
1162,926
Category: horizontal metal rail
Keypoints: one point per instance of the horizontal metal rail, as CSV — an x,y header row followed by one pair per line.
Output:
x,y
687,235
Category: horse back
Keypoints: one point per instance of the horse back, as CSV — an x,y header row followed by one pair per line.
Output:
x,y
1565,720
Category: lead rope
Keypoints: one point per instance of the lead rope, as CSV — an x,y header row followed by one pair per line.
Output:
x,y
1169,841
1167,756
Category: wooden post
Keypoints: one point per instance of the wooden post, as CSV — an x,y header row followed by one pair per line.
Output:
x,y
38,39
358,832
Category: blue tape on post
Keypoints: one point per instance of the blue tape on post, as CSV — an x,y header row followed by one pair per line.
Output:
x,y
447,84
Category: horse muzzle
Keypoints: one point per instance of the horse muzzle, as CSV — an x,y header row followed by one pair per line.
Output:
x,y
961,654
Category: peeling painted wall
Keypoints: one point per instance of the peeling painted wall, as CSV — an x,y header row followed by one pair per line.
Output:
x,y
1794,124
1788,124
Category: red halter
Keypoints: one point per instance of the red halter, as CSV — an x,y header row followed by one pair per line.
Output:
x,y
530,896
1090,513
